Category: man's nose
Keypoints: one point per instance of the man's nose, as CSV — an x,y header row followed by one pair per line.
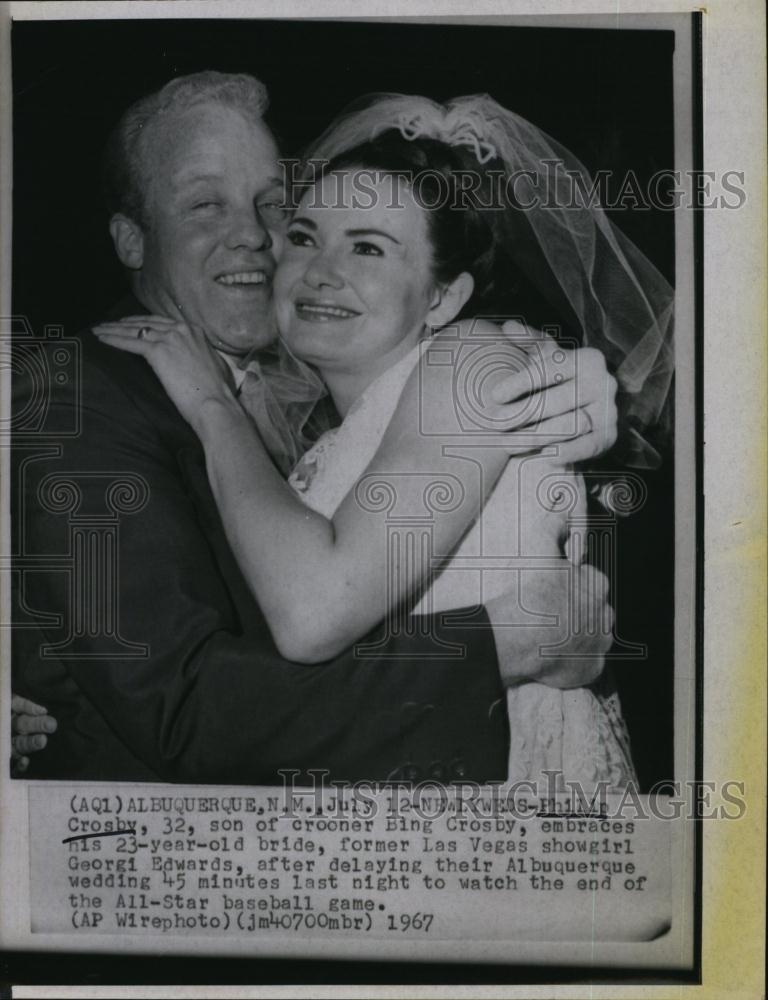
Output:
x,y
322,271
249,231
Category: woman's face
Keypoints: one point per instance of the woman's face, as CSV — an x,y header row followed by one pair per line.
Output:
x,y
354,283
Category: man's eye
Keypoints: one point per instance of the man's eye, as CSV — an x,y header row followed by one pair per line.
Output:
x,y
206,204
368,249
274,211
299,238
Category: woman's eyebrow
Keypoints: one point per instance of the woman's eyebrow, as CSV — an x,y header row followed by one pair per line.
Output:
x,y
309,224
372,232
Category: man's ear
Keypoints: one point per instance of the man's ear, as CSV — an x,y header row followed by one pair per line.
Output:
x,y
449,300
128,238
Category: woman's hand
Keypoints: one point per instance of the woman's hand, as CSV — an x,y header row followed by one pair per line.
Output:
x,y
30,723
191,372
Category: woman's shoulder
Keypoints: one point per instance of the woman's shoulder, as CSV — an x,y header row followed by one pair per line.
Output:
x,y
451,386
331,466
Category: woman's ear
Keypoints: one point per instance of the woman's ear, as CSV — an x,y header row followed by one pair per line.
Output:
x,y
128,238
449,300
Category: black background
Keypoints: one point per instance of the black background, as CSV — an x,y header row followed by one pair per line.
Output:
x,y
606,95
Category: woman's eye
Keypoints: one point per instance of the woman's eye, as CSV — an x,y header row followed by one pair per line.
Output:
x,y
206,204
368,249
300,238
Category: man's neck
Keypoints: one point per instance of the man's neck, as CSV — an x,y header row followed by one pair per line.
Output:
x,y
159,305
144,296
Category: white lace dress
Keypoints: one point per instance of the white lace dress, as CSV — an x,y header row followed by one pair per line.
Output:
x,y
577,733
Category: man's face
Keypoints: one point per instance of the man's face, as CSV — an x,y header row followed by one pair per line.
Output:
x,y
214,225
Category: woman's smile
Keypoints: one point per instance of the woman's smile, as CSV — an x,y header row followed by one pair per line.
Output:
x,y
322,311
353,285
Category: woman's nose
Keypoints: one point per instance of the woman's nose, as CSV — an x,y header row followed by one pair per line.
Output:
x,y
322,271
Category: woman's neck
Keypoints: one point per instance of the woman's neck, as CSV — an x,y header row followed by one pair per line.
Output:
x,y
347,383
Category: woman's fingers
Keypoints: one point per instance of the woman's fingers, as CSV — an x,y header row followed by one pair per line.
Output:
x,y
147,333
150,328
132,324
147,320
126,342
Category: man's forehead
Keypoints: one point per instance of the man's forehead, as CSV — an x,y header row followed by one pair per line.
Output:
x,y
208,131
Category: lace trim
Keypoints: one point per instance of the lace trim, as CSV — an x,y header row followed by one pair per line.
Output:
x,y
312,462
578,733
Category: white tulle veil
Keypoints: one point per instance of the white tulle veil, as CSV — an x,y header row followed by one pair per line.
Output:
x,y
621,302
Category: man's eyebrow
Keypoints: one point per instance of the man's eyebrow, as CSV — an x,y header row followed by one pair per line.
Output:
x,y
183,179
192,178
305,222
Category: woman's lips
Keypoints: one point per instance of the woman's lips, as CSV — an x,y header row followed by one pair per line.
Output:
x,y
323,312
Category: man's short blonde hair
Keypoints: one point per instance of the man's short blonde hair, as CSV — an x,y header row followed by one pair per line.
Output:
x,y
125,178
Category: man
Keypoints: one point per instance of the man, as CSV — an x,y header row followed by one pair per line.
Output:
x,y
160,665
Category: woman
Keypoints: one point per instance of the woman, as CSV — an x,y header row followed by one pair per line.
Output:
x,y
384,249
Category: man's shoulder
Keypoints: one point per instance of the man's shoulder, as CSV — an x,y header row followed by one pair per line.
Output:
x,y
120,378
111,362
96,380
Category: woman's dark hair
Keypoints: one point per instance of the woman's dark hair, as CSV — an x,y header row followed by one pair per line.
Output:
x,y
451,187
469,214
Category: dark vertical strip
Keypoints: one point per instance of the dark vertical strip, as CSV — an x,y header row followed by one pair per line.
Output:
x,y
698,284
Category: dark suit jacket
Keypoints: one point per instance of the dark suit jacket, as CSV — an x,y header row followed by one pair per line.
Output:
x,y
137,630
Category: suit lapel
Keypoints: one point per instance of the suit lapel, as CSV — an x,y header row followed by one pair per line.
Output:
x,y
191,462
146,391
138,381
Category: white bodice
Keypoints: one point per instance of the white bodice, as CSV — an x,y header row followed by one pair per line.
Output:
x,y
524,522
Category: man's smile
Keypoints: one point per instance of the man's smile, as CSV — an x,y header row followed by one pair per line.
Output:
x,y
242,279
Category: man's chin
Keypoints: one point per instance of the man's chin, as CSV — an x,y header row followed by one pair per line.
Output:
x,y
242,340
